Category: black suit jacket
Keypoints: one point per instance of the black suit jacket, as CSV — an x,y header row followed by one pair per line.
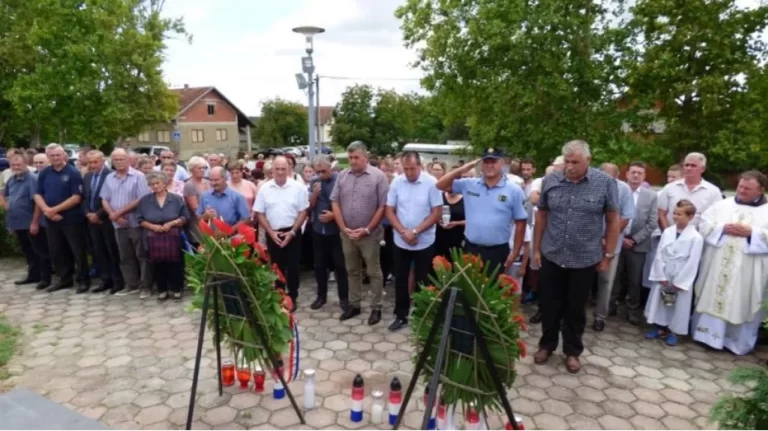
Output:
x,y
97,191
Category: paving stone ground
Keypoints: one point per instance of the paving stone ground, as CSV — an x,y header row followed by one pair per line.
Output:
x,y
128,363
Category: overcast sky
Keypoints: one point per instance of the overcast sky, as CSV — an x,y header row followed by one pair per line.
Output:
x,y
246,48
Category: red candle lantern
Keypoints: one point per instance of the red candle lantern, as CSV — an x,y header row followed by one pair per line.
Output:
x,y
259,379
244,377
227,372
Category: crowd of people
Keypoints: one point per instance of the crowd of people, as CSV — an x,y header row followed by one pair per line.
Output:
x,y
685,259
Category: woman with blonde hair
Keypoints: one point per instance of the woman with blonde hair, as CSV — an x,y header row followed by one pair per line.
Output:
x,y
194,187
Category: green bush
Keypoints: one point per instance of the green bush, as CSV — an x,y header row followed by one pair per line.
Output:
x,y
9,243
748,412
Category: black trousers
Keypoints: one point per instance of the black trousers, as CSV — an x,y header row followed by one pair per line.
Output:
x,y
288,259
386,256
307,249
563,296
35,249
328,255
168,276
493,255
69,252
421,260
105,253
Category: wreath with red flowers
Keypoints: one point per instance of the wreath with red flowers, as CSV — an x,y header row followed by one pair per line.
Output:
x,y
226,253
495,302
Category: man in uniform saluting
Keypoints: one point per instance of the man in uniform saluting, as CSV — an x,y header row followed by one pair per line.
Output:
x,y
493,204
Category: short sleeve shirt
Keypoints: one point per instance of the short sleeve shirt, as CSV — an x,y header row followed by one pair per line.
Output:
x,y
413,202
490,211
360,195
19,192
57,186
281,205
702,196
576,216
229,205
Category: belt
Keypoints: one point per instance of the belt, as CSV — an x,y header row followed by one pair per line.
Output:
x,y
485,247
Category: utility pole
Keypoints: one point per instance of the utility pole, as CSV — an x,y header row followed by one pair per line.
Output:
x,y
308,67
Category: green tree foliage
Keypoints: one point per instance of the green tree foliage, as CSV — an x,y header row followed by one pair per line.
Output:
x,y
526,75
386,120
744,412
700,61
282,124
90,70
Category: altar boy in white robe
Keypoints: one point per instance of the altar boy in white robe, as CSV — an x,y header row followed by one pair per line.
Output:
x,y
734,269
673,274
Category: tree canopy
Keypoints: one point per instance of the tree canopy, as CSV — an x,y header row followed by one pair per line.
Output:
x,y
653,81
282,124
86,71
386,120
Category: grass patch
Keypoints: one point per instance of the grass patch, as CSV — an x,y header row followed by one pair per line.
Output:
x,y
9,337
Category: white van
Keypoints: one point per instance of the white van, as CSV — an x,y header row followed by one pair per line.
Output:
x,y
448,153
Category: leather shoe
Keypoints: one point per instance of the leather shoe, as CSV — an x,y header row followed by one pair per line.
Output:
x,y
375,317
318,304
398,324
536,318
633,319
344,304
83,288
102,287
542,356
116,289
60,285
43,285
572,364
350,313
28,280
599,325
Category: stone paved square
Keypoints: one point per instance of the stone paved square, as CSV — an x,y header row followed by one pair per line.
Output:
x,y
128,364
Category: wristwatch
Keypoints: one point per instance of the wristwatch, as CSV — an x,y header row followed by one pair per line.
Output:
x,y
609,255
367,231
415,232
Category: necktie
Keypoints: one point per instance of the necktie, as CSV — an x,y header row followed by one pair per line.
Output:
x,y
94,184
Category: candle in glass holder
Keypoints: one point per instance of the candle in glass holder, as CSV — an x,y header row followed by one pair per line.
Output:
x,y
244,377
259,378
227,372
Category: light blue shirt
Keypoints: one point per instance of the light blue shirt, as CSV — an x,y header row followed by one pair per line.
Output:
x,y
490,211
626,209
229,205
413,202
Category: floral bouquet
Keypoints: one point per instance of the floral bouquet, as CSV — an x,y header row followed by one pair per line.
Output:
x,y
235,259
494,300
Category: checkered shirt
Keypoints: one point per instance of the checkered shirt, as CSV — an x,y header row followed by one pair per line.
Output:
x,y
576,217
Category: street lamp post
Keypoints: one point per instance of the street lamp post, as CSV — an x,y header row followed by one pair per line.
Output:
x,y
308,67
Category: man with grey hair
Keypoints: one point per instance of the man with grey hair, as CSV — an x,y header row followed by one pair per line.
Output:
x,y
576,230
606,278
326,239
120,197
102,233
167,156
59,193
358,200
692,187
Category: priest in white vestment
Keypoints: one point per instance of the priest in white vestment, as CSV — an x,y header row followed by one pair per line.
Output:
x,y
733,276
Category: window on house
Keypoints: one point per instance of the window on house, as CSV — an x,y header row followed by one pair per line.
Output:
x,y
143,137
163,136
221,134
198,135
211,109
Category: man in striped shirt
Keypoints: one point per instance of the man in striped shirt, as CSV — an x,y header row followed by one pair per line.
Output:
x,y
120,196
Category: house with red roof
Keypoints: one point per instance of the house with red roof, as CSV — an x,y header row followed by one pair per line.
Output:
x,y
207,122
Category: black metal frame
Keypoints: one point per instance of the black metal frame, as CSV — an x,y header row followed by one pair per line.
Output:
x,y
235,304
445,313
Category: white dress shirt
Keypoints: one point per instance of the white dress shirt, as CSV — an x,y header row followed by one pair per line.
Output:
x,y
281,205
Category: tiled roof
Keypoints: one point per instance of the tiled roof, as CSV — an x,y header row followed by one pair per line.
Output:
x,y
189,95
326,115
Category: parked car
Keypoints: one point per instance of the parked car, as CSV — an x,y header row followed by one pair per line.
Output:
x,y
270,152
292,150
154,149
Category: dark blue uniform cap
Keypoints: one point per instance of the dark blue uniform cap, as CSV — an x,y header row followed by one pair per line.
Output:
x,y
493,153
